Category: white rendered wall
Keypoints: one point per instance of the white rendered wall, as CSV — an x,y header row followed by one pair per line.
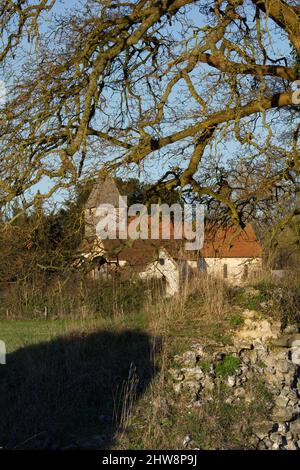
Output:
x,y
168,270
235,267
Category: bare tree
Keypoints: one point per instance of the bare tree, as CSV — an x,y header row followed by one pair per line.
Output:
x,y
17,19
188,91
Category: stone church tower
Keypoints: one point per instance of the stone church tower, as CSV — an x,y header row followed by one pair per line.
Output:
x,y
105,191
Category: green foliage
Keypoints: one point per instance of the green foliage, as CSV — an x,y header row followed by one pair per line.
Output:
x,y
117,297
205,366
280,299
265,287
235,320
39,242
220,335
242,298
261,364
217,424
227,366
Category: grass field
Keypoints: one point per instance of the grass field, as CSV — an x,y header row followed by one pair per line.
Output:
x,y
70,379
65,380
103,381
19,334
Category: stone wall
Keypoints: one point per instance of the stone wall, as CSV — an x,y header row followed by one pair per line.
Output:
x,y
165,267
235,270
262,350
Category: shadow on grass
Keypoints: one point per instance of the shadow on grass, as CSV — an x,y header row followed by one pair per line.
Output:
x,y
74,391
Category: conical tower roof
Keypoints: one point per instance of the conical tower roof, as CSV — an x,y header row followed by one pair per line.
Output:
x,y
105,191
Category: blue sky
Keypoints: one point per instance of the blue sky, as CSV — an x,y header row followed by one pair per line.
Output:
x,y
61,7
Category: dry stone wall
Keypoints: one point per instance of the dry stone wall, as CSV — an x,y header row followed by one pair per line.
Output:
x,y
261,349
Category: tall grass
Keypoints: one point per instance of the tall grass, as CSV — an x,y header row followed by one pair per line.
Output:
x,y
75,297
272,296
114,371
202,299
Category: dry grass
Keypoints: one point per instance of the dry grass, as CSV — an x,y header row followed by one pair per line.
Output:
x,y
119,368
278,298
161,419
54,393
75,297
203,299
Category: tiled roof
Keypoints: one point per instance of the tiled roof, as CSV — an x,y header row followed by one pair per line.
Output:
x,y
218,243
223,242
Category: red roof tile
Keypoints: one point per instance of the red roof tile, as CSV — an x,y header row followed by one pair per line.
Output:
x,y
219,242
223,242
